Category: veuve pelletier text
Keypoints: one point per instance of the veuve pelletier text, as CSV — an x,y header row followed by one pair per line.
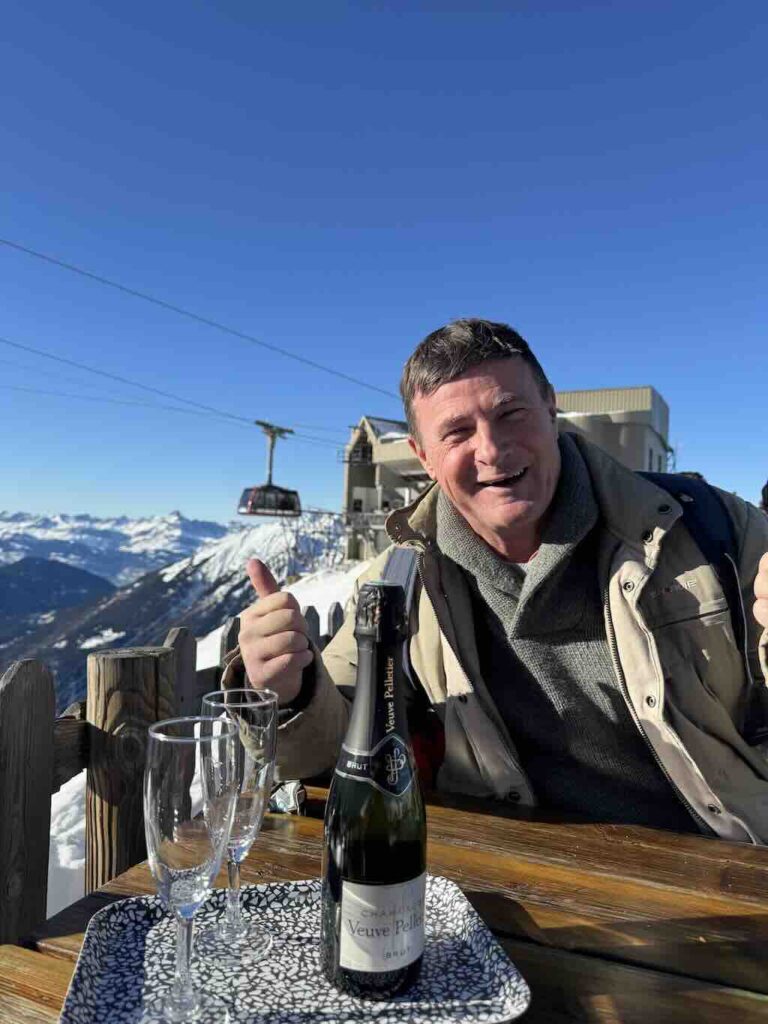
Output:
x,y
374,863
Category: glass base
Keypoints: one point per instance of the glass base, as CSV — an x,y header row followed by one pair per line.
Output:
x,y
201,1009
222,939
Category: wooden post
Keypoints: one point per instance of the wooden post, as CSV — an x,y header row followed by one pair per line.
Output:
x,y
27,707
335,619
128,690
184,646
313,622
229,634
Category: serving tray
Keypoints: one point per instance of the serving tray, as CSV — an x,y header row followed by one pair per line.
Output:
x,y
128,955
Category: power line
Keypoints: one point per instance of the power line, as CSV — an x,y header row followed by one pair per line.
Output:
x,y
209,409
192,316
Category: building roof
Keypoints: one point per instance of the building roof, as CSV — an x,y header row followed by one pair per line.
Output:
x,y
381,426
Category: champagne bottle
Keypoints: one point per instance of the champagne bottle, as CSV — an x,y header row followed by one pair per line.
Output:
x,y
374,862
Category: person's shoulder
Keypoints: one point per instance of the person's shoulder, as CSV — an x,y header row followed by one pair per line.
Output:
x,y
750,523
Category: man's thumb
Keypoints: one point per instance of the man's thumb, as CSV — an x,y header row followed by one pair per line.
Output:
x,y
264,583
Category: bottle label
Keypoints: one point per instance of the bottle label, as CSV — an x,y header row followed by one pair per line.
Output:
x,y
382,926
388,766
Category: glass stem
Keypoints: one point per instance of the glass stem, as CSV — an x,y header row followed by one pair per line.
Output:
x,y
233,895
182,983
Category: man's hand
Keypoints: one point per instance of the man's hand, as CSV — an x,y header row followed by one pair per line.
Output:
x,y
761,592
274,639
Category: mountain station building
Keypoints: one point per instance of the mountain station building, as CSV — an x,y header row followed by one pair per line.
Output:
x,y
381,472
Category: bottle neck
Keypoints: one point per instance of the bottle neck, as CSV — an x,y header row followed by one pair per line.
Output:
x,y
376,750
378,710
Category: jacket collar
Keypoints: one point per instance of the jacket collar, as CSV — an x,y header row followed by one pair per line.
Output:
x,y
631,507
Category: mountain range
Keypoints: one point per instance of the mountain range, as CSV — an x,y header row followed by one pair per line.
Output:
x,y
200,591
119,549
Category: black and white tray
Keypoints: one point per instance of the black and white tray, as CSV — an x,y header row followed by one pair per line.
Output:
x,y
127,961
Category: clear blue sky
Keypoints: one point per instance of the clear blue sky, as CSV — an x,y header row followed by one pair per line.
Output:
x,y
339,179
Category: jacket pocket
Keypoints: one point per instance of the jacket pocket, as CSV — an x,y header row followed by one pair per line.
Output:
x,y
700,661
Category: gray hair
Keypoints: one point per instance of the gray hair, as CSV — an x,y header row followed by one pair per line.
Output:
x,y
452,350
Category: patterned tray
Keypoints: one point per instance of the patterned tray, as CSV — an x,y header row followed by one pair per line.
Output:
x,y
128,955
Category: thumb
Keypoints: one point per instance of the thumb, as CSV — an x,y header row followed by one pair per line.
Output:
x,y
264,583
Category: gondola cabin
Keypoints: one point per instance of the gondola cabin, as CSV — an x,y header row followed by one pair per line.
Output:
x,y
268,499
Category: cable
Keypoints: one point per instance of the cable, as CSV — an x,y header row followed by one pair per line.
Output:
x,y
192,316
101,398
122,380
57,374
209,409
149,405
304,438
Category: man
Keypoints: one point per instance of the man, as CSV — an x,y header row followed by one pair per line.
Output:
x,y
571,645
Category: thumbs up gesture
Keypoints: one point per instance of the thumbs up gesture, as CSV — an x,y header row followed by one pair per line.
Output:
x,y
274,639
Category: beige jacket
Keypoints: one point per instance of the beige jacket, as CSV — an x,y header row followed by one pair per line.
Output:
x,y
671,641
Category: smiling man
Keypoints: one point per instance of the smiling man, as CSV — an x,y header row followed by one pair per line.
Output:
x,y
570,645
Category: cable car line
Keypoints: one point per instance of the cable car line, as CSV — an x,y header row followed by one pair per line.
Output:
x,y
208,409
303,438
207,321
122,380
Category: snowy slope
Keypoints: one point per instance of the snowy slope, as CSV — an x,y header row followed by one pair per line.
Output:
x,y
119,549
66,866
199,592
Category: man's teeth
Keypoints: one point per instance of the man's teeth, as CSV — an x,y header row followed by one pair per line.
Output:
x,y
505,480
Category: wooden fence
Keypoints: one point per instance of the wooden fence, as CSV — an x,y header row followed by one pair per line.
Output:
x,y
127,690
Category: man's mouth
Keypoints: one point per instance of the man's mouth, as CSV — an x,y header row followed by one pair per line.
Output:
x,y
504,481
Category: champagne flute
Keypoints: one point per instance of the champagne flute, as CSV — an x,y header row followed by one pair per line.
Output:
x,y
190,788
254,713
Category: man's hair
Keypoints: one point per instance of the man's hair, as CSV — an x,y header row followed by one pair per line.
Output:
x,y
452,350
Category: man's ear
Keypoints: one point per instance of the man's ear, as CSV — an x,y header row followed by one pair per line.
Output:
x,y
421,455
552,407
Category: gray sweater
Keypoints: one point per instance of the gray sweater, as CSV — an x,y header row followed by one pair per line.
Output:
x,y
546,662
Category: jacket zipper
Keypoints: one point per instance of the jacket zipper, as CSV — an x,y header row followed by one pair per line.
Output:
x,y
613,647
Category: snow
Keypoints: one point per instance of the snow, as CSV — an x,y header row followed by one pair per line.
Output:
x,y
66,865
118,549
66,861
107,636
394,435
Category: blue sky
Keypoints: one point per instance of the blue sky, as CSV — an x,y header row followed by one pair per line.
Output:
x,y
339,179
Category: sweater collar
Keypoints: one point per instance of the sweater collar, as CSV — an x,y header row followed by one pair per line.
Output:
x,y
571,516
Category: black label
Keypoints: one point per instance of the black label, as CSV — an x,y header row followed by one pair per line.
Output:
x,y
388,766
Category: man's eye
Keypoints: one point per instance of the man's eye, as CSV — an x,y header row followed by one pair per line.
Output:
x,y
514,414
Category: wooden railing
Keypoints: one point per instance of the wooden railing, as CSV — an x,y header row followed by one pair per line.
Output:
x,y
127,690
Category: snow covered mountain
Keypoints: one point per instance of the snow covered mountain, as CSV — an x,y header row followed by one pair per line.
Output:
x,y
119,550
199,592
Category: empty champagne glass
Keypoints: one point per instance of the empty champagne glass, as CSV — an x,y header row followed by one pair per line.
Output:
x,y
254,713
190,788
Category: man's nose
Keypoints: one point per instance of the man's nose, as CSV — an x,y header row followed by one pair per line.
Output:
x,y
488,449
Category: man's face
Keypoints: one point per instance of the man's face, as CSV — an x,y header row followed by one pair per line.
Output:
x,y
489,438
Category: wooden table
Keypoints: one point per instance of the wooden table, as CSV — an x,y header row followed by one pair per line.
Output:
x,y
607,923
